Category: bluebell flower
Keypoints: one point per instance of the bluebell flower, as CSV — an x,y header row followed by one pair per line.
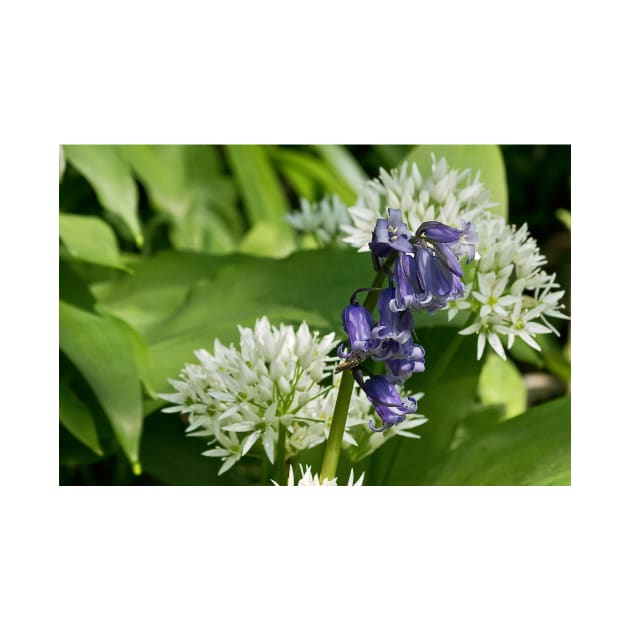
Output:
x,y
399,370
393,325
386,400
390,235
358,323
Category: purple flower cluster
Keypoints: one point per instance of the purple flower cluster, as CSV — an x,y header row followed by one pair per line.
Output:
x,y
426,275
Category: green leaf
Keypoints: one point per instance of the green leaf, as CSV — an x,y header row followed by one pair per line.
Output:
x,y
76,417
341,161
316,169
500,383
533,449
90,239
564,216
162,170
450,395
100,348
181,301
268,239
259,186
72,288
486,158
112,181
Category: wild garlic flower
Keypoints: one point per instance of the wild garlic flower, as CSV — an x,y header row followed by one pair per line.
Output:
x,y
505,289
308,479
509,290
239,397
323,219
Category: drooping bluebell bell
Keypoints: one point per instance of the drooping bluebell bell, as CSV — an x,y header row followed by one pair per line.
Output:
x,y
358,323
399,370
393,335
386,400
393,325
460,242
431,277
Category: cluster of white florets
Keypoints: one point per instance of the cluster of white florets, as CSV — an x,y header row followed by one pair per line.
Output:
x,y
321,219
277,382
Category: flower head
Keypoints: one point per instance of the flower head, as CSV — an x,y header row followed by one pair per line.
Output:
x,y
322,219
308,479
239,397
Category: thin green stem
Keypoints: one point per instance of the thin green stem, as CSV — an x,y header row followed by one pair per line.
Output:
x,y
342,404
333,444
280,471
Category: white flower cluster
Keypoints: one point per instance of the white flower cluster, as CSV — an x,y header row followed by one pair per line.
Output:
x,y
308,479
446,196
506,287
322,219
243,399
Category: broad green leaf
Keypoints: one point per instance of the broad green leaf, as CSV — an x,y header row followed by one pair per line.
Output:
x,y
72,288
486,158
112,181
259,186
201,229
500,383
317,170
101,350
181,301
343,163
90,239
162,170
186,183
270,239
533,449
142,355
450,395
76,417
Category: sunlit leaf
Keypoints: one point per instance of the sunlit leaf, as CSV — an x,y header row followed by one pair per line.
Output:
x,y
500,383
341,161
259,186
532,449
316,169
90,239
101,350
112,181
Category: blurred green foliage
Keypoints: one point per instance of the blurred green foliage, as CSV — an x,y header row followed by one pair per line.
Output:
x,y
164,248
